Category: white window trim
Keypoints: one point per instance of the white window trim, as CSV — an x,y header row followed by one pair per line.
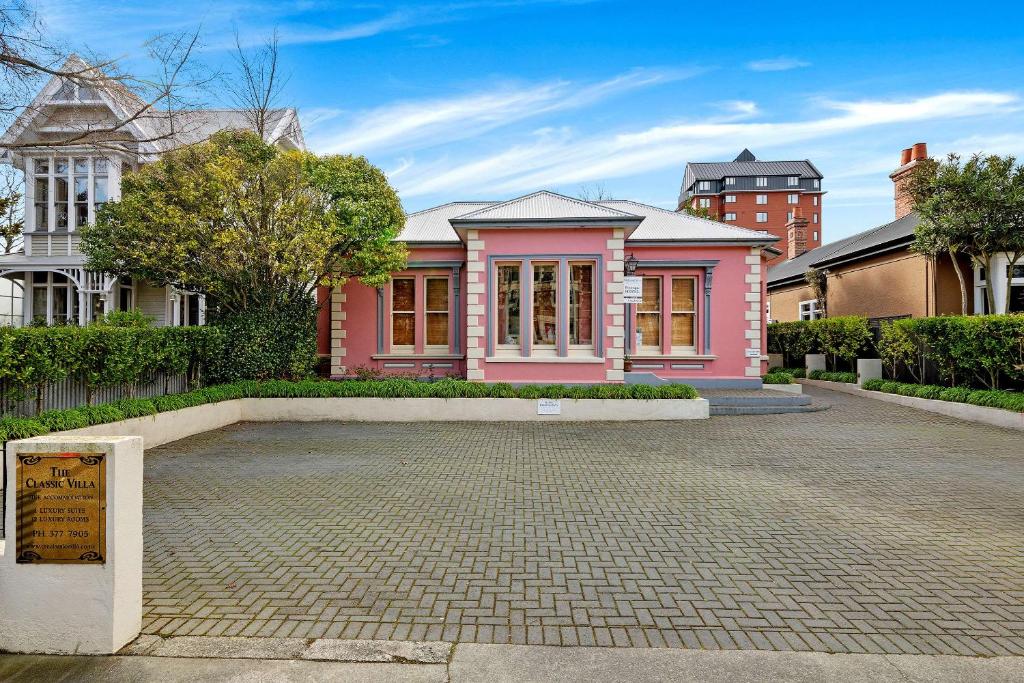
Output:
x,y
761,181
402,348
69,177
501,349
793,198
761,199
683,350
793,181
437,348
730,180
809,306
648,349
758,217
730,199
730,216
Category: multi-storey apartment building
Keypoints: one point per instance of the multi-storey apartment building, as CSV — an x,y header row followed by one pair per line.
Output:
x,y
759,195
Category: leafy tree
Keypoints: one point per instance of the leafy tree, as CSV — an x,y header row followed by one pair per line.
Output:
x,y
698,211
973,208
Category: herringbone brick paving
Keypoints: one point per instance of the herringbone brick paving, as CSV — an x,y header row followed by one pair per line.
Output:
x,y
865,528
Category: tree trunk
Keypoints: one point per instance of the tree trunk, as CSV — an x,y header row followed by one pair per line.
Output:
x,y
40,388
960,278
990,279
1009,281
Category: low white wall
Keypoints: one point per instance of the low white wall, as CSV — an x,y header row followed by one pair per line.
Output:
x,y
786,388
467,409
996,417
162,428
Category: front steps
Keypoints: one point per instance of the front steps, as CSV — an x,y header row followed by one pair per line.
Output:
x,y
757,402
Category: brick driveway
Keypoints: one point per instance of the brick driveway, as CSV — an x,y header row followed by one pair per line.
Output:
x,y
865,528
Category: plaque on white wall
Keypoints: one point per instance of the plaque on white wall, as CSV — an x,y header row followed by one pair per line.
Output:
x,y
753,353
549,406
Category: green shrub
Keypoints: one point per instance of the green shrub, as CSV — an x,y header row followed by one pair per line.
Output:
x,y
955,394
778,378
266,343
683,391
847,377
1006,400
132,318
101,414
62,420
21,428
643,391
531,391
928,391
874,384
843,337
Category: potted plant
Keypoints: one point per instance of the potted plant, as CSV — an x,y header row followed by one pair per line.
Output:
x,y
627,363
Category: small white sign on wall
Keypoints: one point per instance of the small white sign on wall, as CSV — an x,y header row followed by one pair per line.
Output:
x,y
633,289
549,406
753,353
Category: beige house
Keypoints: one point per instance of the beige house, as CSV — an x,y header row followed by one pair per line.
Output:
x,y
872,273
66,183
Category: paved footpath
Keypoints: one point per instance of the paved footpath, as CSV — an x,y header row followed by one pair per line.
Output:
x,y
472,663
868,528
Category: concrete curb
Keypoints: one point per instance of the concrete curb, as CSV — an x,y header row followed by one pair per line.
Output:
x,y
320,649
961,411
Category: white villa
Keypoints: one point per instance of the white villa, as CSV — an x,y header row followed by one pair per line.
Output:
x,y
66,183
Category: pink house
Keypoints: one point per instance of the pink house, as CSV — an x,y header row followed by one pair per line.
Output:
x,y
532,290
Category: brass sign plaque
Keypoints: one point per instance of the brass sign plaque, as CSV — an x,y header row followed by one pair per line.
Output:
x,y
62,508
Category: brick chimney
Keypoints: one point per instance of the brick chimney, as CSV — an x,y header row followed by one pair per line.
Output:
x,y
909,158
796,234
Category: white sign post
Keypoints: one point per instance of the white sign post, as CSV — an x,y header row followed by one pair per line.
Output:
x,y
633,289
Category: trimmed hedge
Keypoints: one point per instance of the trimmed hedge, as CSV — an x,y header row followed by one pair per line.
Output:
x,y
847,377
985,350
777,378
120,352
1007,400
84,416
841,338
798,373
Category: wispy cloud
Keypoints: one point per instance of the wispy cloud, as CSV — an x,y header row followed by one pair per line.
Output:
x,y
740,109
426,123
560,159
777,64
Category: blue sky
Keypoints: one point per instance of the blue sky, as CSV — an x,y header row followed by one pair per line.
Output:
x,y
488,99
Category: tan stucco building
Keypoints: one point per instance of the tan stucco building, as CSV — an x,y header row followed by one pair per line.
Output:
x,y
872,273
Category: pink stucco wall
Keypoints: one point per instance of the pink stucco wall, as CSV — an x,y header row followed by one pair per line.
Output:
x,y
726,359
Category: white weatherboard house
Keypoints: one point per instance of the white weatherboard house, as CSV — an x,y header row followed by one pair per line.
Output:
x,y
65,184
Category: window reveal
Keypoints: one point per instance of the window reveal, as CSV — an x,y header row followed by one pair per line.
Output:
x,y
508,304
581,304
648,316
684,313
403,312
545,304
437,311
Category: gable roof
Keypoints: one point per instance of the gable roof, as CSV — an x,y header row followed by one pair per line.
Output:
x,y
546,206
893,235
437,225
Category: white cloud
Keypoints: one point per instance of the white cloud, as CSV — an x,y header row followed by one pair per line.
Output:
x,y
740,109
564,159
426,123
777,64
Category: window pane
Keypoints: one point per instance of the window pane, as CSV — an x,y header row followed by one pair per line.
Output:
x,y
682,294
581,303
81,189
99,190
60,304
42,166
99,165
39,302
81,214
403,295
81,166
682,329
437,294
649,327
652,295
437,329
508,304
42,189
403,326
60,167
545,308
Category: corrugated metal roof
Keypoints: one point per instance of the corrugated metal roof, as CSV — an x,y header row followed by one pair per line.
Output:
x,y
899,229
662,224
432,225
716,170
544,205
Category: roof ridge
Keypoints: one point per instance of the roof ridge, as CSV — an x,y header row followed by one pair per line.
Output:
x,y
559,195
719,224
441,206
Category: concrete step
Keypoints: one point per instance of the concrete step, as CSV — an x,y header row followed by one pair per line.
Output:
x,y
763,409
755,399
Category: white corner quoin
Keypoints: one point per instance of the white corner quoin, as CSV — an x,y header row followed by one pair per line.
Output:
x,y
77,608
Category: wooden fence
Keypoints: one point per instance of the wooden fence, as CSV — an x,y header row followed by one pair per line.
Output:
x,y
72,392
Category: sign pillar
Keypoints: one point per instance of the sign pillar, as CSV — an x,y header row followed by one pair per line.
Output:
x,y
71,564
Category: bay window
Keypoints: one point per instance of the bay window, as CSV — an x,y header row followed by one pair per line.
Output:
x,y
403,314
54,299
648,317
436,313
68,191
508,318
545,305
684,315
